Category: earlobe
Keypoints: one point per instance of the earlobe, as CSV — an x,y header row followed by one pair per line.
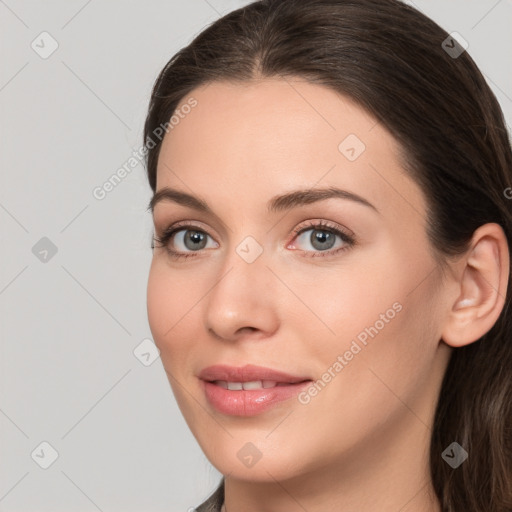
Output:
x,y
482,287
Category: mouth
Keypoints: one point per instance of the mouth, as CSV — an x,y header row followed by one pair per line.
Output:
x,y
248,390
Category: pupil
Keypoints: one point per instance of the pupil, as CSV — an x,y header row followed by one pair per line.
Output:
x,y
322,237
194,237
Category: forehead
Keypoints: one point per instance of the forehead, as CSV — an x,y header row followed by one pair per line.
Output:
x,y
289,115
272,135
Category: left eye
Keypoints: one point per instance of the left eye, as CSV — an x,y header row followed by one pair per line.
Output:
x,y
322,239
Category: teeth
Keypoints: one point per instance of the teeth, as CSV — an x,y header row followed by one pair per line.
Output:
x,y
255,384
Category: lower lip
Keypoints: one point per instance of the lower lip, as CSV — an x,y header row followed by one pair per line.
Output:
x,y
249,402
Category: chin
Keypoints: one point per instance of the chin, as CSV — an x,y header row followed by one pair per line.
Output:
x,y
258,461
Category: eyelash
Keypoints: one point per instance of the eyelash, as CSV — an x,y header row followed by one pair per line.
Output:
x,y
350,242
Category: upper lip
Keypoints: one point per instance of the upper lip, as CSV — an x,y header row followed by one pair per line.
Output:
x,y
247,373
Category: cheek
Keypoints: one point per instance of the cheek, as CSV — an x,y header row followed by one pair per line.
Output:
x,y
171,297
380,313
337,306
169,301
158,301
375,287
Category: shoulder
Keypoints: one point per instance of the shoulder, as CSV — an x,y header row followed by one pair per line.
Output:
x,y
214,502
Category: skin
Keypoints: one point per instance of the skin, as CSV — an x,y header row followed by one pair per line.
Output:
x,y
362,443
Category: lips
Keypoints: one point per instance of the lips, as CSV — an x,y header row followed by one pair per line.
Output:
x,y
249,390
248,373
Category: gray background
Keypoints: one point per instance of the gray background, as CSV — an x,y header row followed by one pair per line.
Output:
x,y
69,324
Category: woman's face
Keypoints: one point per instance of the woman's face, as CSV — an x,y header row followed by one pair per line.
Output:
x,y
358,314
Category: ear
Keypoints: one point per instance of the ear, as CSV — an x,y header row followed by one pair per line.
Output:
x,y
482,287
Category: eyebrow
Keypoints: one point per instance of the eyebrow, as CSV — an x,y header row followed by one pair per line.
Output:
x,y
276,204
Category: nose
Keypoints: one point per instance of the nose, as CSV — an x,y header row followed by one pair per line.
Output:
x,y
243,302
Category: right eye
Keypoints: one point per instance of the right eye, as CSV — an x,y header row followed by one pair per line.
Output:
x,y
192,239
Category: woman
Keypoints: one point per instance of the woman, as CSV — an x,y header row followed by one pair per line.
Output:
x,y
330,284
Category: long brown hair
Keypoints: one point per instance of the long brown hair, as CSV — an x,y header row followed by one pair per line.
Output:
x,y
391,60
